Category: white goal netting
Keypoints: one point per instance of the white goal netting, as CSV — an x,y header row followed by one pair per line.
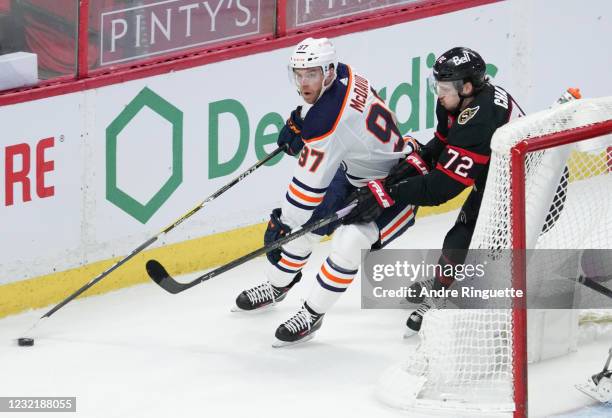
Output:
x,y
464,360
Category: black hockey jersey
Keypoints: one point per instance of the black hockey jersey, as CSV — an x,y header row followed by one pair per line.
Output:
x,y
460,151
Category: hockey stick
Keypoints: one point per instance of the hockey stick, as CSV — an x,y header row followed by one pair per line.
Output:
x,y
592,283
164,231
160,275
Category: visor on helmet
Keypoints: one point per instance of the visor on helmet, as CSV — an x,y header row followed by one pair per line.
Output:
x,y
442,88
296,76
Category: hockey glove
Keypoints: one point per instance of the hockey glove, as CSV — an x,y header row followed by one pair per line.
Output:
x,y
276,229
291,134
412,165
371,201
410,141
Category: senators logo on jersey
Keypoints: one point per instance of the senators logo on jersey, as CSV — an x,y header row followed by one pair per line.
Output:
x,y
467,114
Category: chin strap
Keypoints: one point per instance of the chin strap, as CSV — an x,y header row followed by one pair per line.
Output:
x,y
462,97
324,87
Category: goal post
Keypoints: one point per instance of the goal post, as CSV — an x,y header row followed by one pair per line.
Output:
x,y
519,153
549,187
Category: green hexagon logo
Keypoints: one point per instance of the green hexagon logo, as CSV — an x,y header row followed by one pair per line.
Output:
x,y
149,99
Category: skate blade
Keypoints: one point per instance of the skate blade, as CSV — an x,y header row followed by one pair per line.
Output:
x,y
280,344
253,311
408,333
590,390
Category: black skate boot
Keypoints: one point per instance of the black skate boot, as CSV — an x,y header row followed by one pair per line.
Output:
x,y
413,324
263,295
300,328
416,288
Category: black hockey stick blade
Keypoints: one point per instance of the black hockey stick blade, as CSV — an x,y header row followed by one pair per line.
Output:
x,y
160,275
594,284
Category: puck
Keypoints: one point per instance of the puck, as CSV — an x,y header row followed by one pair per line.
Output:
x,y
25,342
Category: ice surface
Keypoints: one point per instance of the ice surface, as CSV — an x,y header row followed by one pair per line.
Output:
x,y
141,352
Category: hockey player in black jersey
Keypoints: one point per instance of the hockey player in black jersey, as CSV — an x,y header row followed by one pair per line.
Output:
x,y
468,112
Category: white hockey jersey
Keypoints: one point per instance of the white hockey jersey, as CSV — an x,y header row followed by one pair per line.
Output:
x,y
348,125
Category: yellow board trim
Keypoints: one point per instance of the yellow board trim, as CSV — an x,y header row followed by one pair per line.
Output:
x,y
181,258
185,257
452,204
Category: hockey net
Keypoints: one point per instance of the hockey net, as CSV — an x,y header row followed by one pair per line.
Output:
x,y
555,193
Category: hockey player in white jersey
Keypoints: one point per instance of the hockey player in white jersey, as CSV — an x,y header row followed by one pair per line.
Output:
x,y
347,140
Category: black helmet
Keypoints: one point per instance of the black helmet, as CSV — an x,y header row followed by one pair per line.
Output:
x,y
462,64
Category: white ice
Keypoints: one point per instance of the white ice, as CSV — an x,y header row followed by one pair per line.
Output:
x,y
141,352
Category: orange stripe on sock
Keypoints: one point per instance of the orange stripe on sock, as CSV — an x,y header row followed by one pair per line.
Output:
x,y
305,197
291,264
334,278
395,225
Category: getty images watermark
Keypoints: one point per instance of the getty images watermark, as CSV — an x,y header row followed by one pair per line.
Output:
x,y
555,279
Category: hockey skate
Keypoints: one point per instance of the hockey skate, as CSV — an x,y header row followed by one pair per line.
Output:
x,y
413,324
261,296
299,328
599,386
414,297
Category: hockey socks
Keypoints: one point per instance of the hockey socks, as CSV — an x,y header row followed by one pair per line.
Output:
x,y
283,273
333,281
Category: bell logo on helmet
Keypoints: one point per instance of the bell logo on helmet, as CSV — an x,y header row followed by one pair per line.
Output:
x,y
458,60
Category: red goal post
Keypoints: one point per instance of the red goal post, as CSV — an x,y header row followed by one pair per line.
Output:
x,y
548,188
519,154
